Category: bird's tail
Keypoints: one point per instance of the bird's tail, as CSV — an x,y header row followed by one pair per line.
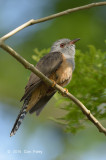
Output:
x,y
19,119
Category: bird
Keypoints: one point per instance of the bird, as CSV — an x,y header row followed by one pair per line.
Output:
x,y
58,65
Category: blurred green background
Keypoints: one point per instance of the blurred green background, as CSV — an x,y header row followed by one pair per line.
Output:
x,y
88,83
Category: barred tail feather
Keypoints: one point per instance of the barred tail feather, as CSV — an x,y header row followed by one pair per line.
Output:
x,y
19,120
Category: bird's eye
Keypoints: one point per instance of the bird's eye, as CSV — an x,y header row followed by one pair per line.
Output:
x,y
62,45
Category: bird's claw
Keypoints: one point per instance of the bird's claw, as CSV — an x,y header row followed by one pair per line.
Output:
x,y
54,83
65,92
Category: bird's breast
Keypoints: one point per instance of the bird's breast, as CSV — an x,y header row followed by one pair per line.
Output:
x,y
63,74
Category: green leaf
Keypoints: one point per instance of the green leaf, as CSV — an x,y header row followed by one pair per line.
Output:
x,y
88,85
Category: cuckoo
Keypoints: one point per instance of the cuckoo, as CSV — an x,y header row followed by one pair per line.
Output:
x,y
58,65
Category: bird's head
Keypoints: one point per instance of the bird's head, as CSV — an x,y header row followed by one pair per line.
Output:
x,y
65,46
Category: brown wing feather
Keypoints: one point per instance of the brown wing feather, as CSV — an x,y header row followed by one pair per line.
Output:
x,y
47,65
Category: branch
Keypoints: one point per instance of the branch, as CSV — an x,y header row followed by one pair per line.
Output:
x,y
32,21
31,67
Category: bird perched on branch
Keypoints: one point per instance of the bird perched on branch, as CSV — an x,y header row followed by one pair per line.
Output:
x,y
57,65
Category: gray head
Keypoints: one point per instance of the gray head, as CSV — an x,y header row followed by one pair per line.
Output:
x,y
65,46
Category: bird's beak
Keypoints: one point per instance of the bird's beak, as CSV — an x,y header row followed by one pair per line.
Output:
x,y
74,40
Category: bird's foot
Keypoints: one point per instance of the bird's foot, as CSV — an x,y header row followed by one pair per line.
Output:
x,y
65,92
54,83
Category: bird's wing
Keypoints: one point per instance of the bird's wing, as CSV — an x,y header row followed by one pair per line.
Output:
x,y
47,65
41,104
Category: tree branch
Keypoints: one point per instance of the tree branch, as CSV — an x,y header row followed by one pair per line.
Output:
x,y
32,21
31,67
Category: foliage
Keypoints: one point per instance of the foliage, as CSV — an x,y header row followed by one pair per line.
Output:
x,y
39,54
87,84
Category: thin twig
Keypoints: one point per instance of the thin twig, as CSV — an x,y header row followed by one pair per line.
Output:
x,y
32,21
31,67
